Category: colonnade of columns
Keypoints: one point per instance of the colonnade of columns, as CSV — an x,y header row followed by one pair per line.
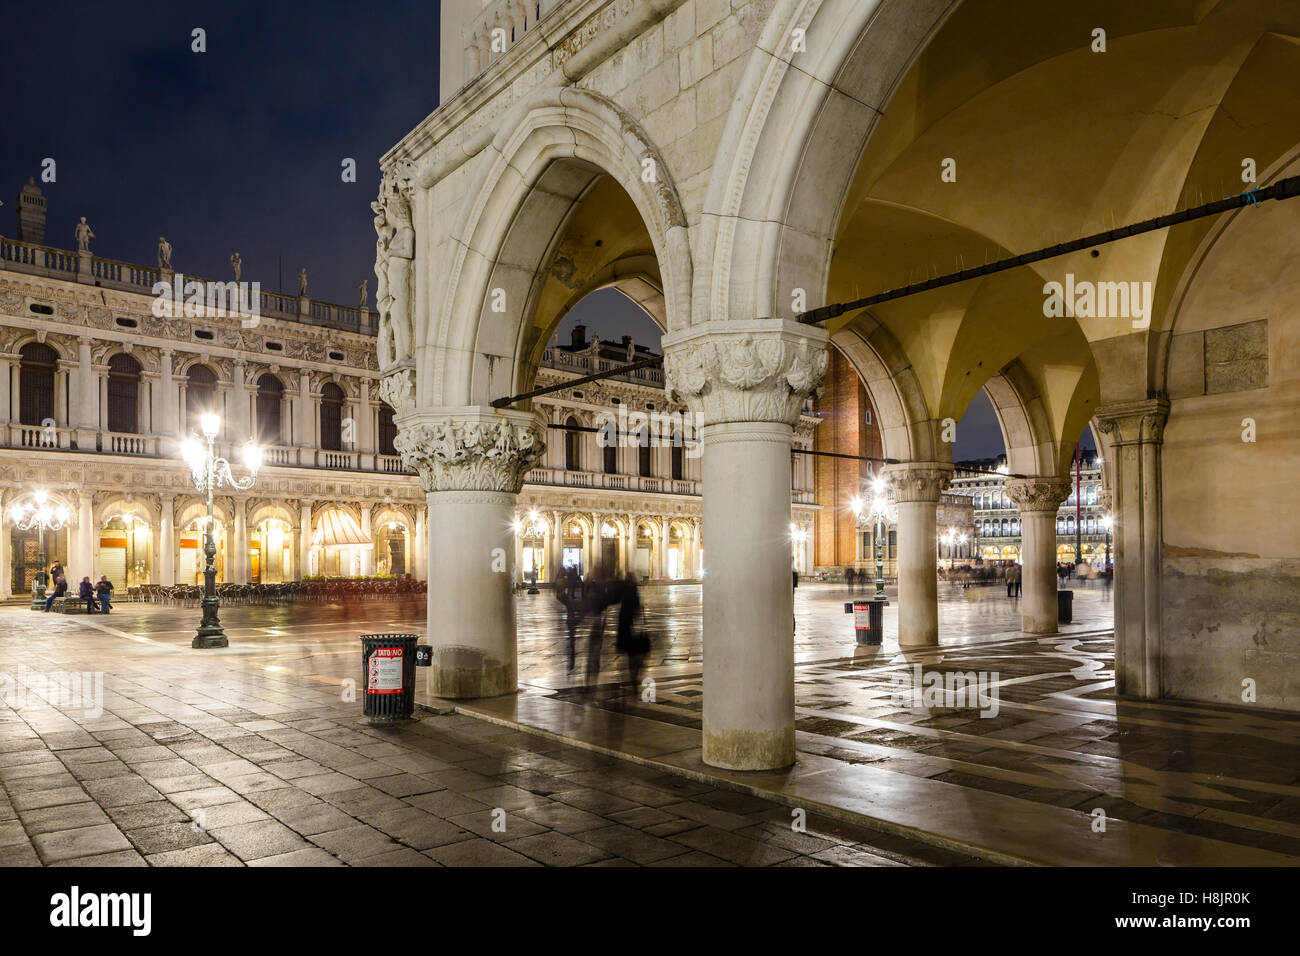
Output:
x,y
742,376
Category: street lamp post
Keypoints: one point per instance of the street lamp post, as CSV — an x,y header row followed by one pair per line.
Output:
x,y
210,472
42,516
880,514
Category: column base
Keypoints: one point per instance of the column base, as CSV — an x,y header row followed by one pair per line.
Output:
x,y
461,673
749,749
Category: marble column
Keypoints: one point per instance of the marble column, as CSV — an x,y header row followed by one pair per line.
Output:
x,y
86,401
241,410
15,390
1136,432
471,462
367,554
237,571
917,488
749,379
167,542
167,414
1038,500
420,556
85,542
304,426
304,540
6,569
557,546
663,548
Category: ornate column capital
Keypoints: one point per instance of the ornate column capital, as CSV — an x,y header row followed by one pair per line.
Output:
x,y
473,448
924,481
1130,423
757,370
1038,494
397,387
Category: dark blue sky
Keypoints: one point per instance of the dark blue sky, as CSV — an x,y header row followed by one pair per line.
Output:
x,y
236,149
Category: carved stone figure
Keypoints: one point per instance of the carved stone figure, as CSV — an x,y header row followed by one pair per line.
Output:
x,y
237,264
302,281
164,253
363,293
394,252
84,235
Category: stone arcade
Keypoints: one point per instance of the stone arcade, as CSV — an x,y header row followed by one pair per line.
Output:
x,y
795,154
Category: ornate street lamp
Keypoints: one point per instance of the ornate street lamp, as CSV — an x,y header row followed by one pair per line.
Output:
x,y
42,516
209,473
881,514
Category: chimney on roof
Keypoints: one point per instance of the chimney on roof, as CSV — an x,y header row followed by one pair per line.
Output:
x,y
579,340
31,213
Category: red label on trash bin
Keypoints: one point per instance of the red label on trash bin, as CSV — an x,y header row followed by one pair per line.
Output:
x,y
384,675
862,617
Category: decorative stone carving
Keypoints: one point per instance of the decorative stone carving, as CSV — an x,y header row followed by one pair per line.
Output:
x,y
1134,422
472,451
164,253
923,482
756,371
397,389
394,250
1038,494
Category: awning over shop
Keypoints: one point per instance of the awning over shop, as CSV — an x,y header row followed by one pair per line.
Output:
x,y
338,529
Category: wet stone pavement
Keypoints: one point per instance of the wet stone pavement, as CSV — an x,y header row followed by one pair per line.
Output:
x,y
249,756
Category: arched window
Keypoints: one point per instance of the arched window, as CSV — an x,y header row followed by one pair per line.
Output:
x,y
387,430
572,446
643,459
611,459
36,383
331,417
678,466
1069,524
123,393
270,399
200,394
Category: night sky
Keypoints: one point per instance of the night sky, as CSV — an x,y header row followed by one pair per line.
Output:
x,y
240,148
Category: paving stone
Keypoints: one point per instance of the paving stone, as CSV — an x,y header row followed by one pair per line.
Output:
x,y
166,836
309,856
315,818
354,843
694,858
640,848
731,846
480,822
68,816
285,798
48,798
84,841
446,803
252,841
403,857
419,829
209,854
403,785
478,852
147,815
121,791
596,801
114,859
563,818
557,849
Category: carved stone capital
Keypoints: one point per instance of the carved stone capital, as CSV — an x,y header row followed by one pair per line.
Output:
x,y
759,370
1130,423
1038,494
918,482
397,388
471,449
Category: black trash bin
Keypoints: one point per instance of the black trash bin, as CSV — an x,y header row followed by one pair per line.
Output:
x,y
388,675
1065,606
868,621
